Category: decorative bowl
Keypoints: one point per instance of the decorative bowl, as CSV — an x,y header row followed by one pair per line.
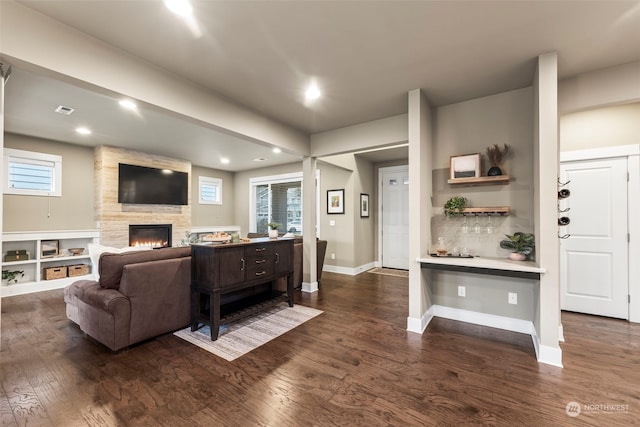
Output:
x,y
76,251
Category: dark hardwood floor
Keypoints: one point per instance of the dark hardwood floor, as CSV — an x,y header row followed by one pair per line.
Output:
x,y
353,365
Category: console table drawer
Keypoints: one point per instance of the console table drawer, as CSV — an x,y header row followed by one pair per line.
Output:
x,y
259,270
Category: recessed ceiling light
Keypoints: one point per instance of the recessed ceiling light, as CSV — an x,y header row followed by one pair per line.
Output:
x,y
128,104
64,110
312,93
179,7
83,131
260,159
277,150
224,161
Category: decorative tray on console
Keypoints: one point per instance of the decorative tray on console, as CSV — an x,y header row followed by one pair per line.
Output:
x,y
221,238
451,256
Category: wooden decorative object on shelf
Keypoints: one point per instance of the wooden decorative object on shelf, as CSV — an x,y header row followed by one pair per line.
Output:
x,y
499,179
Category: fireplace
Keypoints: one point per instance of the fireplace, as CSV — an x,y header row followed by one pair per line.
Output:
x,y
150,235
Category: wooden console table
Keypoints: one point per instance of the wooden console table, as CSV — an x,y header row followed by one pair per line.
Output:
x,y
219,269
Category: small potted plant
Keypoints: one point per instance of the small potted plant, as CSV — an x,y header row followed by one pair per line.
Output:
x,y
455,206
496,155
520,244
273,230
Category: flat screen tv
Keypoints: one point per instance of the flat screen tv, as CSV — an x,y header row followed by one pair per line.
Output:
x,y
143,185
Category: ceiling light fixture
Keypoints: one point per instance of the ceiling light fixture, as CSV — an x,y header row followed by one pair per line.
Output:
x,y
259,159
128,104
83,131
277,150
313,92
179,7
224,161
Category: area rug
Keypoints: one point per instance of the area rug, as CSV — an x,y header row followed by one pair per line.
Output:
x,y
238,338
389,272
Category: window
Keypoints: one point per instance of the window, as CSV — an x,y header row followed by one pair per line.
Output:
x,y
277,199
210,190
33,174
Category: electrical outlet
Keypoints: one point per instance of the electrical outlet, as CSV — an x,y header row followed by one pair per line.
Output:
x,y
333,256
513,298
462,291
332,223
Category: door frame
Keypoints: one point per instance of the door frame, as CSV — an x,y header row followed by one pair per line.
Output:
x,y
381,171
632,153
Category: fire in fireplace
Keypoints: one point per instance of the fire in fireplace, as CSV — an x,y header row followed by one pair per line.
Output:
x,y
150,235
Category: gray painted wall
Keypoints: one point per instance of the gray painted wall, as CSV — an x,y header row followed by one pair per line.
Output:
x,y
469,127
74,210
205,215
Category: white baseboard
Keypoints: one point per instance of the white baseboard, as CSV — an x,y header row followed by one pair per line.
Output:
x,y
544,354
419,325
309,287
349,271
483,319
561,333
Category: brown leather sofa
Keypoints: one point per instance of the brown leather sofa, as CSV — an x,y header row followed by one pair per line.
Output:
x,y
139,295
298,257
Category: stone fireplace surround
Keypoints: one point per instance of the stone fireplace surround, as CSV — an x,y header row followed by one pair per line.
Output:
x,y
113,218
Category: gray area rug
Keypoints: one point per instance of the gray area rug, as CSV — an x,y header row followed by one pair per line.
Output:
x,y
239,338
389,272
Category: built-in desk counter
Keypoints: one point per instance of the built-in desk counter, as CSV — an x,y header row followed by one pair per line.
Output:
x,y
484,265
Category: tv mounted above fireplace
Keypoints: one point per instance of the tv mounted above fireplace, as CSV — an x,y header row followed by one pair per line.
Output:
x,y
144,185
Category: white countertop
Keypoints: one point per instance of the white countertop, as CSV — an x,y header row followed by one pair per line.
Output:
x,y
485,262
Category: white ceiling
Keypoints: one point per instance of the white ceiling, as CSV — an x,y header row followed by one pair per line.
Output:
x,y
365,55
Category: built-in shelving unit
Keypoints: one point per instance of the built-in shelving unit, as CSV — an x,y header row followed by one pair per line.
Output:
x,y
482,180
33,280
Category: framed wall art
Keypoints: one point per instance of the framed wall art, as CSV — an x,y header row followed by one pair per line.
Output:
x,y
335,201
364,205
467,166
49,248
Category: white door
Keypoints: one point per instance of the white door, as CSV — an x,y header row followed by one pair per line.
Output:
x,y
594,259
395,217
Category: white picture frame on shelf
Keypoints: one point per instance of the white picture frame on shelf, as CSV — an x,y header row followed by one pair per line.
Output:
x,y
49,248
466,166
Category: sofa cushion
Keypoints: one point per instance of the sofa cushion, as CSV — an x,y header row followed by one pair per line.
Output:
x,y
110,264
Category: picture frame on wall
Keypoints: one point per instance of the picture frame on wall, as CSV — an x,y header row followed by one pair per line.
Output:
x,y
466,166
49,248
364,205
335,201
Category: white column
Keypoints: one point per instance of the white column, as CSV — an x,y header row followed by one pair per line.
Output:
x,y
545,170
309,245
420,189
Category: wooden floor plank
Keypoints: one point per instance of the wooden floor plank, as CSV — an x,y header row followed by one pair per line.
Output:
x,y
355,364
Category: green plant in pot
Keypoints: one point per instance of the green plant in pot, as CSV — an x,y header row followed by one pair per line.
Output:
x,y
520,244
273,229
455,206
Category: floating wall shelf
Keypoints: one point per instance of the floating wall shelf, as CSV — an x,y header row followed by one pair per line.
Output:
x,y
500,179
498,210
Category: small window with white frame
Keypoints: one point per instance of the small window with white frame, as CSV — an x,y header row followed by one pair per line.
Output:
x,y
210,190
30,173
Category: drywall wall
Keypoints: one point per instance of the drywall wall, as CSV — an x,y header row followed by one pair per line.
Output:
x,y
364,228
74,210
604,87
205,215
600,127
470,127
364,136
